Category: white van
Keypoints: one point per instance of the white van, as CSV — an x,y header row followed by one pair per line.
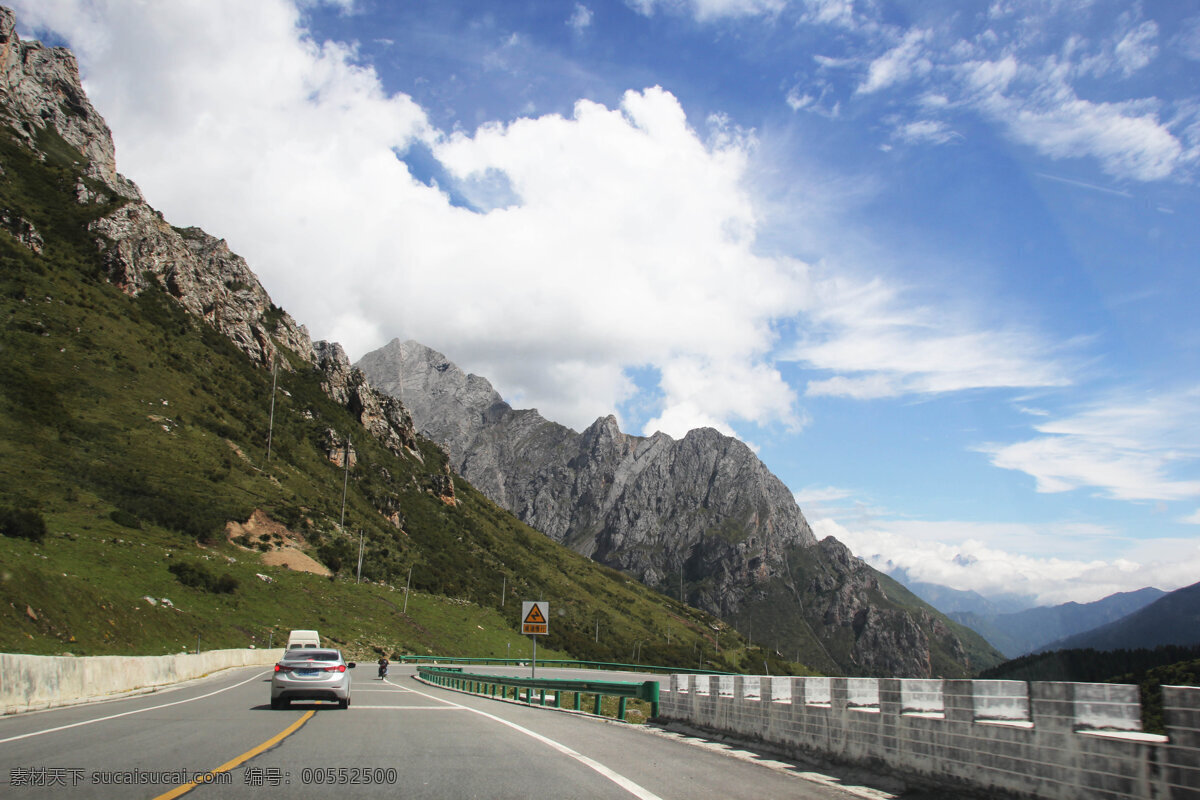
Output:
x,y
301,639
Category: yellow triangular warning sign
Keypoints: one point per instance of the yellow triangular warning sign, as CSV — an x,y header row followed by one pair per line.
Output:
x,y
534,617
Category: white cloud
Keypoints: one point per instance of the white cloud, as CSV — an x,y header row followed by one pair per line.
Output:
x,y
1127,448
799,102
1126,140
1137,48
890,349
1033,95
925,130
1192,519
1002,558
1187,39
829,12
1061,94
707,10
580,18
990,77
903,62
751,392
629,240
818,103
818,496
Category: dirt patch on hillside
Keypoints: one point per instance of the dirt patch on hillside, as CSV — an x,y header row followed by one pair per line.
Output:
x,y
280,546
294,559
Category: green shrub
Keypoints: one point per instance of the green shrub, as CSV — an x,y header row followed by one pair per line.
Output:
x,y
226,584
23,524
125,519
198,577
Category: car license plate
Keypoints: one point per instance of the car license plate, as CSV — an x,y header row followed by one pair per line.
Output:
x,y
307,673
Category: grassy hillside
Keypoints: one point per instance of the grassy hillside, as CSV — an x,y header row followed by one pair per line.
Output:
x,y
131,433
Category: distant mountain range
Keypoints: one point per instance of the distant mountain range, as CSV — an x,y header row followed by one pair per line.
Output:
x,y
1015,628
1173,618
959,601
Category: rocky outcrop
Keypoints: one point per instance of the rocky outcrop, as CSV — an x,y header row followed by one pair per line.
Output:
x,y
699,518
22,230
703,507
42,94
199,271
382,415
43,103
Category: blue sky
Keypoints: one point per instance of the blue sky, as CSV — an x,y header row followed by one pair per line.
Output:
x,y
936,262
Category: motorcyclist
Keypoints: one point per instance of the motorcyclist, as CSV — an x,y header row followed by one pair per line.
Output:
x,y
383,666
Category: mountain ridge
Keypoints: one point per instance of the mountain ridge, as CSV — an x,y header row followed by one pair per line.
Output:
x,y
699,518
1172,619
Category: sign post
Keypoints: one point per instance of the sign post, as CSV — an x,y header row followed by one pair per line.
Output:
x,y
535,622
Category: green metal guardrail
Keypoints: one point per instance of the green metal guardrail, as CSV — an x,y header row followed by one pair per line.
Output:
x,y
520,662
455,678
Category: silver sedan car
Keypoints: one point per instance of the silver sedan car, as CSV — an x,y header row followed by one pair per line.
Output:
x,y
311,674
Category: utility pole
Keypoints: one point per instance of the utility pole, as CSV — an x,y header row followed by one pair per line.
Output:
x,y
503,589
360,555
274,382
345,480
406,590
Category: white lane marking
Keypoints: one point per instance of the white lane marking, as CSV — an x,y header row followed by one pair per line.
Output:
x,y
620,780
254,677
403,708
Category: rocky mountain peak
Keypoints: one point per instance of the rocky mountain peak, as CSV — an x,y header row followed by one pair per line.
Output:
x,y
43,94
700,518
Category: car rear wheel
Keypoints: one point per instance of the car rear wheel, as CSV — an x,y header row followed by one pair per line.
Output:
x,y
344,703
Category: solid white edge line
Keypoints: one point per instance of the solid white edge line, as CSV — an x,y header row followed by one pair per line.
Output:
x,y
127,713
620,780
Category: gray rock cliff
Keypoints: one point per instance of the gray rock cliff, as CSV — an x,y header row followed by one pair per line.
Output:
x,y
699,516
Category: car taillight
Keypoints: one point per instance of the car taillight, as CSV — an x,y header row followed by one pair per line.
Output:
x,y
338,668
282,668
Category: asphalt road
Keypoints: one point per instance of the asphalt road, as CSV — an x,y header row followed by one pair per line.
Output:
x,y
399,738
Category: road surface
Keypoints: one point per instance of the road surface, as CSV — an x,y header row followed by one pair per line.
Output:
x,y
399,738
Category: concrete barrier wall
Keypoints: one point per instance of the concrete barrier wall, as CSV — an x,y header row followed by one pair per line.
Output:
x,y
35,682
1066,741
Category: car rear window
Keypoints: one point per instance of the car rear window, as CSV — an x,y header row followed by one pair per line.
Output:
x,y
313,655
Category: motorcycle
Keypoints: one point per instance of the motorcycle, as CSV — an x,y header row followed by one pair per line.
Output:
x,y
383,671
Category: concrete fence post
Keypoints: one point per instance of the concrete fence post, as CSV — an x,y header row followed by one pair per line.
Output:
x,y
1181,717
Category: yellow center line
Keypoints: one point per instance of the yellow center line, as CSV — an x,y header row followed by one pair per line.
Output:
x,y
179,791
